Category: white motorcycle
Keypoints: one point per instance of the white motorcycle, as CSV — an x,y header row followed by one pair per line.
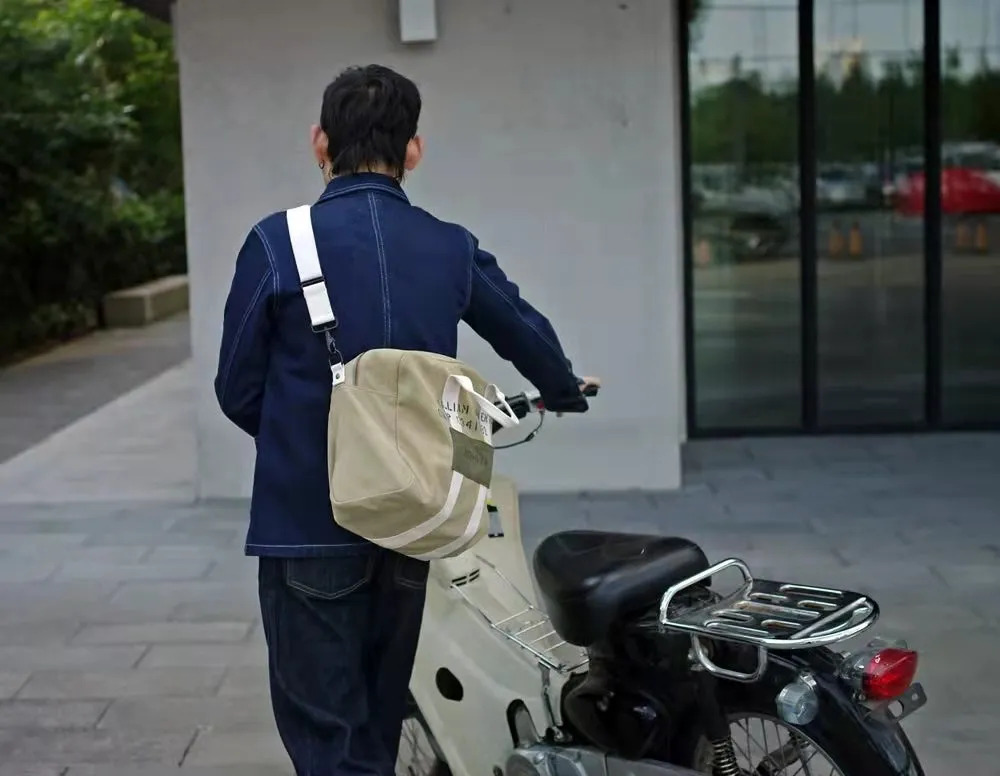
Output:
x,y
635,664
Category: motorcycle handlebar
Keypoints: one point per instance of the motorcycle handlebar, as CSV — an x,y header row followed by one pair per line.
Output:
x,y
526,402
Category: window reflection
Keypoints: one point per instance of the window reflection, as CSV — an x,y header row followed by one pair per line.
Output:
x,y
869,217
869,224
743,71
970,204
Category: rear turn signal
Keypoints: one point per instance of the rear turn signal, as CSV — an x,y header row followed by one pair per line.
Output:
x,y
888,673
880,672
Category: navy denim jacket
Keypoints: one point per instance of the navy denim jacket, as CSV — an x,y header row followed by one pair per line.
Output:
x,y
398,278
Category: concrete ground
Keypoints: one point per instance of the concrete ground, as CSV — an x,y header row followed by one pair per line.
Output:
x,y
130,642
44,394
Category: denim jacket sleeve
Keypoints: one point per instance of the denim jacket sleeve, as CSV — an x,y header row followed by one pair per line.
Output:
x,y
243,358
516,330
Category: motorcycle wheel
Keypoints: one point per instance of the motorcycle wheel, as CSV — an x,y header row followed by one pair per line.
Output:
x,y
766,746
419,753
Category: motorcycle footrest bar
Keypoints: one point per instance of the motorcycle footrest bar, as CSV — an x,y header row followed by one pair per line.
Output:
x,y
769,614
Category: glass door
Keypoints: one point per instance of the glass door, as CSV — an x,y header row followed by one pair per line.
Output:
x,y
970,210
742,65
869,214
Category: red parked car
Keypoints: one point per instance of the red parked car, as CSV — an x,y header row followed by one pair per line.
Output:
x,y
970,183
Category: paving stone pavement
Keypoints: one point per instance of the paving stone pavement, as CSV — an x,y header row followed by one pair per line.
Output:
x,y
130,642
46,393
137,447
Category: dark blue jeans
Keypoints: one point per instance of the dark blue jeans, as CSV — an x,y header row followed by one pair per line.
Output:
x,y
341,636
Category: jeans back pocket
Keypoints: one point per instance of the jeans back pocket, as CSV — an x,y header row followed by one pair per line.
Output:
x,y
330,578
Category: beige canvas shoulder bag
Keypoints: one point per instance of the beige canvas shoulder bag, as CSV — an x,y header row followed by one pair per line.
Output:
x,y
410,434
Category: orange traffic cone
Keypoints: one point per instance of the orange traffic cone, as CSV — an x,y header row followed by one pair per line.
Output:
x,y
836,241
963,239
703,253
855,244
982,239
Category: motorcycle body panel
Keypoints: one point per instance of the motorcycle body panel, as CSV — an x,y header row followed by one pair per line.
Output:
x,y
492,671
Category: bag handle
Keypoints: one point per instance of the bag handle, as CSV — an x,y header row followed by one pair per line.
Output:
x,y
321,315
487,402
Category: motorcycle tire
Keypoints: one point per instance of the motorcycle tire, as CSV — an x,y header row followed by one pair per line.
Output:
x,y
856,746
416,758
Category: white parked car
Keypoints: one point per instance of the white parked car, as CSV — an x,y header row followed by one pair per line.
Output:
x,y
839,187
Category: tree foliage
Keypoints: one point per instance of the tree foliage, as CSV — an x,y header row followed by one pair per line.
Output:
x,y
90,161
865,113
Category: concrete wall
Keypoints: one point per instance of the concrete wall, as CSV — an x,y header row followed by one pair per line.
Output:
x,y
552,132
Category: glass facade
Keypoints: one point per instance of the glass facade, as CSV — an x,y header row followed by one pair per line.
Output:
x,y
970,205
744,124
843,210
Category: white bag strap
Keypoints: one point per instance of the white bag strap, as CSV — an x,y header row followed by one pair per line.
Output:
x,y
321,316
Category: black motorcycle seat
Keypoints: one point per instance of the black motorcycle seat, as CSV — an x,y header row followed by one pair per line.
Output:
x,y
591,580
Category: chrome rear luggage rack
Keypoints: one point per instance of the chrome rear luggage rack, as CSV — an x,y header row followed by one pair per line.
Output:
x,y
768,615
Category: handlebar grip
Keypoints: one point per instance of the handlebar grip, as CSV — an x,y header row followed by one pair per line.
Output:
x,y
575,404
522,405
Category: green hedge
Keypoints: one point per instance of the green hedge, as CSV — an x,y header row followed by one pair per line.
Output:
x,y
91,196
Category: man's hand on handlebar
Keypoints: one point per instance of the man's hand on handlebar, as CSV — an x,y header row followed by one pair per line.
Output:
x,y
523,404
589,386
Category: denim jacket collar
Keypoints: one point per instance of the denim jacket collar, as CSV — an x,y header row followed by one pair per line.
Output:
x,y
362,181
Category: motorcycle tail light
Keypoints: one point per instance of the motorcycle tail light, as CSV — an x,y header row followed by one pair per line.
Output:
x,y
881,672
888,673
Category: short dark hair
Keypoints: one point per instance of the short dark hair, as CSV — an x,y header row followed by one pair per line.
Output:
x,y
369,115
